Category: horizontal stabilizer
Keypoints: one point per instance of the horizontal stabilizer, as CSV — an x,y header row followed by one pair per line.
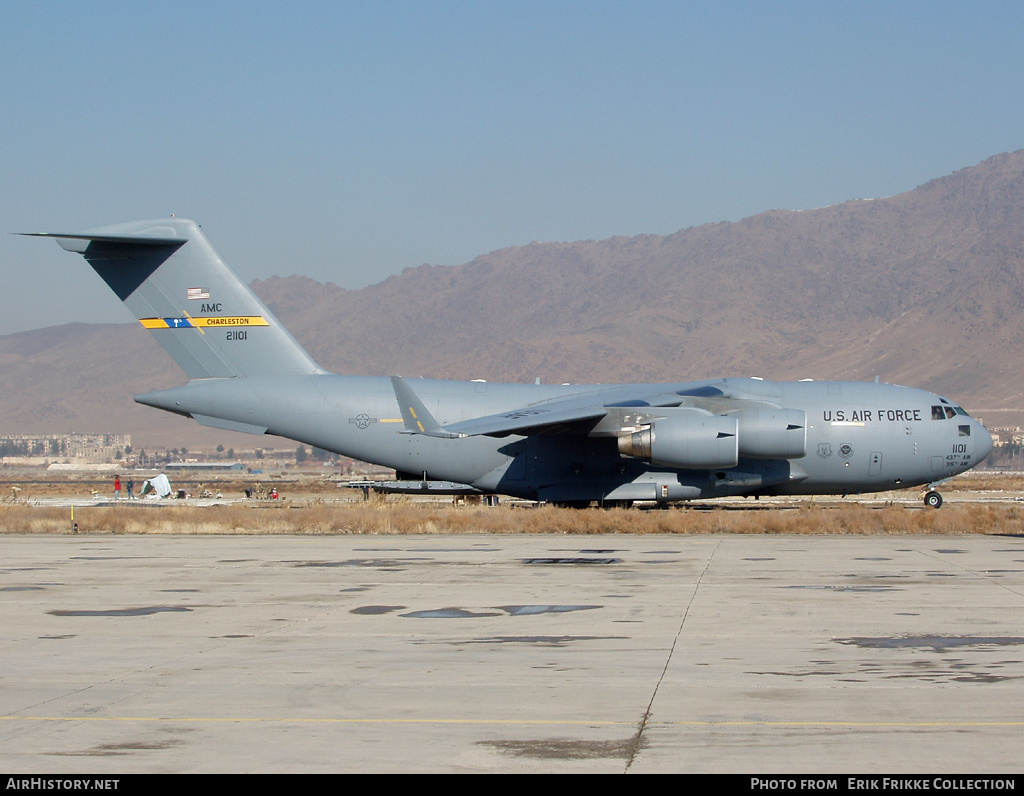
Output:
x,y
80,241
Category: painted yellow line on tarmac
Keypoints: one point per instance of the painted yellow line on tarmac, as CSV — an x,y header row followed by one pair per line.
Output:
x,y
549,722
253,720
840,723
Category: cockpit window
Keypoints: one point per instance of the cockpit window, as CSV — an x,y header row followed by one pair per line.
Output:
x,y
947,412
965,431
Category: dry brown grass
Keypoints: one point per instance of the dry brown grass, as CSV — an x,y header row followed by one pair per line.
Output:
x,y
987,481
398,516
41,484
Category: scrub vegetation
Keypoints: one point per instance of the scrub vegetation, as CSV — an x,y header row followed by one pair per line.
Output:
x,y
406,516
976,502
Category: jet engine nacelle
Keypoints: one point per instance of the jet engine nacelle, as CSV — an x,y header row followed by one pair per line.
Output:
x,y
691,441
772,433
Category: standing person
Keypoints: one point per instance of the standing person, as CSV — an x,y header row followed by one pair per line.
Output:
x,y
117,486
131,487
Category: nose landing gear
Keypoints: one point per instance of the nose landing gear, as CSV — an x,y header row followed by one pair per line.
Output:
x,y
933,499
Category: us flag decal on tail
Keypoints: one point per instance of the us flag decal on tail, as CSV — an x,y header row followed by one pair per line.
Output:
x,y
196,293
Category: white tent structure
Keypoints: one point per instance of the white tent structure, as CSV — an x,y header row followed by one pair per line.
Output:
x,y
158,486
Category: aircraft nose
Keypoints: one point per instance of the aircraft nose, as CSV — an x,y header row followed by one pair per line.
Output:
x,y
982,443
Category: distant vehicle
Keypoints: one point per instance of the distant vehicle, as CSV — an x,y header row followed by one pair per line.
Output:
x,y
567,444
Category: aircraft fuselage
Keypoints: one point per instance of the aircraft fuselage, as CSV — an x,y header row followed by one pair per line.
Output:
x,y
860,437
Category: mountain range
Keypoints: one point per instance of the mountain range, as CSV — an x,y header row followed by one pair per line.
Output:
x,y
925,288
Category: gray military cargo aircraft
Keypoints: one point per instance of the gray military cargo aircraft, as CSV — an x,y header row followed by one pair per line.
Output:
x,y
566,444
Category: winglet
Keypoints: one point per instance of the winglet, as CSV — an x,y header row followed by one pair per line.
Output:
x,y
418,419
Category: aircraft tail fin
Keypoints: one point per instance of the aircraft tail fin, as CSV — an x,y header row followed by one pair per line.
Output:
x,y
168,274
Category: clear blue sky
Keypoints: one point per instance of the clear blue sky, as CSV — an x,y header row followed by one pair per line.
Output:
x,y
347,141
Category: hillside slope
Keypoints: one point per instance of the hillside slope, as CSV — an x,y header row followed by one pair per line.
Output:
x,y
924,288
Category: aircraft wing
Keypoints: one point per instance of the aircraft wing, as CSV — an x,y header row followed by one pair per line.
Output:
x,y
528,420
584,413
